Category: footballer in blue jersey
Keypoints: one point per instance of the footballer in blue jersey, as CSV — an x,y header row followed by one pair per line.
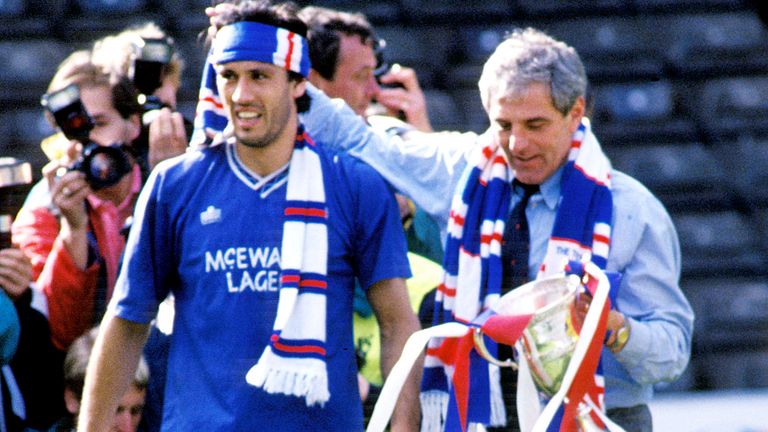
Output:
x,y
259,238
210,230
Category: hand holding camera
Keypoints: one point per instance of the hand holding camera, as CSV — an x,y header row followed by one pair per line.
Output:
x,y
167,129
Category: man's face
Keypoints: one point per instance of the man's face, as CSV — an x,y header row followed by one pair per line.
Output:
x,y
129,410
259,100
109,127
353,81
534,135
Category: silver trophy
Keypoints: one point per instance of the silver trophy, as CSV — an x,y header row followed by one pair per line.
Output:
x,y
549,340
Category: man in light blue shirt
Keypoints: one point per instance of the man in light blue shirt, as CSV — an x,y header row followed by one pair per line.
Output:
x,y
532,117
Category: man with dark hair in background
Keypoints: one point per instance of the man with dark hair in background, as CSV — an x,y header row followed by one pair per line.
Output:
x,y
267,278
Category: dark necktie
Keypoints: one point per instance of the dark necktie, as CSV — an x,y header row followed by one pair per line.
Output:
x,y
514,257
516,242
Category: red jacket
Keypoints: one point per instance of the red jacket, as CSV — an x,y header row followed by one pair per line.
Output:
x,y
70,290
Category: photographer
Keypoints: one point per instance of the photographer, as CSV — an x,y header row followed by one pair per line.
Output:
x,y
145,54
71,221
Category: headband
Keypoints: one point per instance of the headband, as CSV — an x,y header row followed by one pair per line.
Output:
x,y
254,41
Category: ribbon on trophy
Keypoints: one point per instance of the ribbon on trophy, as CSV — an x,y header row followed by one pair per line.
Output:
x,y
572,399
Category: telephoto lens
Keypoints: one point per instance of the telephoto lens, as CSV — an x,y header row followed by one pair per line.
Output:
x,y
15,176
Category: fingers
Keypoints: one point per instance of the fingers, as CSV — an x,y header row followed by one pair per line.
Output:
x,y
167,136
15,272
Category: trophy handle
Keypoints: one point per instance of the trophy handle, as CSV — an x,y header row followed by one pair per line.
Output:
x,y
477,335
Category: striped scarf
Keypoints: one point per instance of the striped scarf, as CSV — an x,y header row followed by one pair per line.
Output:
x,y
472,265
294,362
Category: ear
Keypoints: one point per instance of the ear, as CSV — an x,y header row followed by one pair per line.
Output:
x,y
576,113
71,401
299,88
134,126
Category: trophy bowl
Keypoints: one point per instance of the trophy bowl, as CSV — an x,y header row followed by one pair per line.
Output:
x,y
550,337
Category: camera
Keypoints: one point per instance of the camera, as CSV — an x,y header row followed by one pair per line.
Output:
x,y
149,65
148,71
103,166
382,66
15,176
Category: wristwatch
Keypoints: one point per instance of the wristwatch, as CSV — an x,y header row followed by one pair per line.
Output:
x,y
622,336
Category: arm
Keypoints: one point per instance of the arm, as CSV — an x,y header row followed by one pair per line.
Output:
x,y
66,286
389,300
650,298
111,369
425,167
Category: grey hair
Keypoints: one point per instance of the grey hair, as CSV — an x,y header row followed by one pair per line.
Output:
x,y
527,56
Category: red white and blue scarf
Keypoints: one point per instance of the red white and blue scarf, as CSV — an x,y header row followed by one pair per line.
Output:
x,y
294,361
472,274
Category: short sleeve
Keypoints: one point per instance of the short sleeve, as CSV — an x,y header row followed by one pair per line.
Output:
x,y
380,246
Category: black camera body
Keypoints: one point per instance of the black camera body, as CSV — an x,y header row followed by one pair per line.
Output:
x,y
103,166
15,178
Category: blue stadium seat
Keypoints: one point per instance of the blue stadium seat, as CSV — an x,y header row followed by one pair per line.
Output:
x,y
12,8
716,43
571,7
614,47
669,166
641,101
720,242
29,64
456,8
111,6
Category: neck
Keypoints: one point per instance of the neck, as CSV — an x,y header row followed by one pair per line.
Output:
x,y
271,157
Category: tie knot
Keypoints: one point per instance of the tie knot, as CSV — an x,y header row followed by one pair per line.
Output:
x,y
528,190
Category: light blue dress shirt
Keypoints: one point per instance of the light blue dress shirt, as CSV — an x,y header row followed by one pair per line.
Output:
x,y
644,245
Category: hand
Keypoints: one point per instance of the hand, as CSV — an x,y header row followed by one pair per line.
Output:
x,y
613,324
409,99
212,13
15,272
167,136
68,193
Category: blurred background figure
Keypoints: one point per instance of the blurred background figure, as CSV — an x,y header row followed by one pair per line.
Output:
x,y
129,410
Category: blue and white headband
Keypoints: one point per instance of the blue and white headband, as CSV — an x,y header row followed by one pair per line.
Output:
x,y
254,41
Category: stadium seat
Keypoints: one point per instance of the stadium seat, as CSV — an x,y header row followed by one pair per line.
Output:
x,y
718,242
12,8
716,43
111,6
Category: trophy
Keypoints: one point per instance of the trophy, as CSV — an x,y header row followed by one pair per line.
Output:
x,y
550,337
549,341
558,338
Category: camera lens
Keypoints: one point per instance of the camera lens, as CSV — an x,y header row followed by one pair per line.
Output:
x,y
104,166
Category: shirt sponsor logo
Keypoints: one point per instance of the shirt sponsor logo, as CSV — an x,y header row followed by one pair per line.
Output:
x,y
246,268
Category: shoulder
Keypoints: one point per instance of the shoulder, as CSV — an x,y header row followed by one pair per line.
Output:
x,y
348,168
631,196
189,167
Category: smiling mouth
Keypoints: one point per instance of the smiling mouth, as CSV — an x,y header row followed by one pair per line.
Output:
x,y
248,115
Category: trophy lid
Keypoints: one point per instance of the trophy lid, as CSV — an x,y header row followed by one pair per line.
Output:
x,y
14,172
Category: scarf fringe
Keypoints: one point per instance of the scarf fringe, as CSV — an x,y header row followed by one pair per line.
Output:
x,y
498,412
305,377
434,408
